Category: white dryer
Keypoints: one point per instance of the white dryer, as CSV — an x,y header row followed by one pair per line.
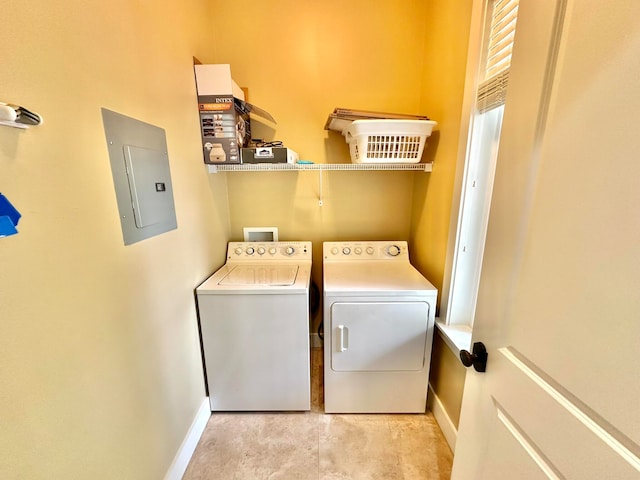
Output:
x,y
379,315
254,321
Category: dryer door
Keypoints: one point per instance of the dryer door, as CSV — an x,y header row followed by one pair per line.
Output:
x,y
378,336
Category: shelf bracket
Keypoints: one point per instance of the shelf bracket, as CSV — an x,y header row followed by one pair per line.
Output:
x,y
320,201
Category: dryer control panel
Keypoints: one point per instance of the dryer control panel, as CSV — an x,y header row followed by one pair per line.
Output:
x,y
269,251
374,250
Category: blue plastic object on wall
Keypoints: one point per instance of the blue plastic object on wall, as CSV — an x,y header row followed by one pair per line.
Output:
x,y
9,217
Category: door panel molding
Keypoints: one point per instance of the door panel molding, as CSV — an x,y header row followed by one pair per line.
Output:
x,y
527,445
582,444
603,430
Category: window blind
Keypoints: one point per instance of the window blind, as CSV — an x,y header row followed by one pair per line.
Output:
x,y
493,89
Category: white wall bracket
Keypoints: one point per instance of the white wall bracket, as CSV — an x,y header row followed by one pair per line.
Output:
x,y
18,117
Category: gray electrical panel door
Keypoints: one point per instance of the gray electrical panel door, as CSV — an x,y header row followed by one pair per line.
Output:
x,y
141,176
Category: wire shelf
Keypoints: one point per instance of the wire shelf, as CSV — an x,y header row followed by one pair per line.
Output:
x,y
288,167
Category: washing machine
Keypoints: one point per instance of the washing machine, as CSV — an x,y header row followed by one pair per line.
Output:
x,y
254,322
379,315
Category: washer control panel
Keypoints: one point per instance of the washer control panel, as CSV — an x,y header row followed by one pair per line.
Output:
x,y
378,250
269,251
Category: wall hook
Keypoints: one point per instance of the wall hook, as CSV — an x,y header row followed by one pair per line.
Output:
x,y
9,217
19,117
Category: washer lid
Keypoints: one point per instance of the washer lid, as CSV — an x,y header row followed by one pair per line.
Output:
x,y
277,275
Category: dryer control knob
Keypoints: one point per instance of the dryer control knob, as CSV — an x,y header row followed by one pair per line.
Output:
x,y
250,251
272,251
393,250
334,251
346,250
290,251
261,250
238,251
369,250
357,251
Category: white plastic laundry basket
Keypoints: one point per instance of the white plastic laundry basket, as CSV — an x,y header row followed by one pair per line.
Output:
x,y
387,141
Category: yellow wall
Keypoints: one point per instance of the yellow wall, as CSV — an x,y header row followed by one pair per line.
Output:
x,y
448,24
447,378
442,95
100,368
300,60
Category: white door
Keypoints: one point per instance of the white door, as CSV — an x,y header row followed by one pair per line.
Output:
x,y
559,301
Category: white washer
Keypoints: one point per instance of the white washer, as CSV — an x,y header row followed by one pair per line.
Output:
x,y
379,314
254,319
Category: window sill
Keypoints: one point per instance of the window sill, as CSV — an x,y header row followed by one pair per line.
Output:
x,y
457,337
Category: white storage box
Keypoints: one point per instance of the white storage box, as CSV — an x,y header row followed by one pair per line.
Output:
x,y
388,141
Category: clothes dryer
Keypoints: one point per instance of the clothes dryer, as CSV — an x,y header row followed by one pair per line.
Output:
x,y
379,315
254,321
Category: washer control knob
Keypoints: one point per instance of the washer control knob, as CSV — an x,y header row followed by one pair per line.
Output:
x,y
261,250
393,250
290,251
357,251
250,251
369,250
272,251
346,250
238,251
334,251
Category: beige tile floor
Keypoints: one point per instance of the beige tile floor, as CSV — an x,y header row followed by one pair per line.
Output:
x,y
319,446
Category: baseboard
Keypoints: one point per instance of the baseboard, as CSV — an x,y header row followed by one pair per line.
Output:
x,y
314,340
449,430
190,442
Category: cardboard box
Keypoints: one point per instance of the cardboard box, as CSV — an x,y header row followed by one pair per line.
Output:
x,y
225,124
269,155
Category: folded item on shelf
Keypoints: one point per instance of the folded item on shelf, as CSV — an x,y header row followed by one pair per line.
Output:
x,y
340,119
